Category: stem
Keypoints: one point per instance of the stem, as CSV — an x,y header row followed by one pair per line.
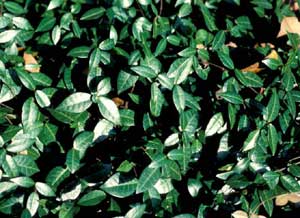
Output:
x,y
161,7
215,65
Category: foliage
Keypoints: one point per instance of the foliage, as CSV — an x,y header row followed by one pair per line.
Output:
x,y
149,108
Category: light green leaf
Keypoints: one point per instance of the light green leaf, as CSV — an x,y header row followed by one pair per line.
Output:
x,y
136,212
44,189
148,179
73,160
109,110
93,14
272,138
180,69
30,113
272,110
75,103
179,98
172,139
115,187
26,165
251,140
54,4
272,179
42,99
32,203
232,97
92,198
125,81
188,121
25,182
104,87
290,183
144,71
156,101
79,52
8,35
55,35
214,125
56,176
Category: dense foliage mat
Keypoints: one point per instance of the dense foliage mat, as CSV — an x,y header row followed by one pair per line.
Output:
x,y
149,108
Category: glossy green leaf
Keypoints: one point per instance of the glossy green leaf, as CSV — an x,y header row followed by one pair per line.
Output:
x,y
136,212
46,24
214,125
8,35
44,189
115,187
251,140
272,109
109,110
147,179
56,176
73,160
144,71
79,52
249,79
93,14
75,103
232,97
178,98
32,203
156,101
180,69
272,138
290,183
92,198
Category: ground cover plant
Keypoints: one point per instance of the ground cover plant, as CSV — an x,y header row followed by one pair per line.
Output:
x,y
149,108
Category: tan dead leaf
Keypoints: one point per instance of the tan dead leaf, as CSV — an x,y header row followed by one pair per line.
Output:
x,y
253,68
281,200
231,45
20,48
25,152
289,24
294,198
273,54
31,64
264,45
118,101
239,214
200,46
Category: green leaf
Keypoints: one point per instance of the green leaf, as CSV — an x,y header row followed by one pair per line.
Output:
x,y
46,24
251,140
178,98
193,187
26,165
125,81
32,203
115,187
75,103
185,10
14,7
92,198
208,18
127,117
56,34
104,87
144,71
73,160
290,183
188,121
79,52
67,210
172,139
107,44
219,40
249,79
42,99
266,198
8,35
147,179
294,170
83,141
44,189
109,110
272,179
56,176
26,79
23,181
170,169
232,97
136,212
30,113
214,125
54,4
288,81
180,69
93,14
272,110
272,138
48,134
156,101
225,58
20,142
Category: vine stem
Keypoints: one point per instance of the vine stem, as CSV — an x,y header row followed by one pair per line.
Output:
x,y
161,7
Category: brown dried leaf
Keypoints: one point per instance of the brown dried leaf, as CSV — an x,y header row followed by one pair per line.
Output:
x,y
294,198
273,54
118,101
289,24
200,46
281,200
31,64
231,45
239,214
253,68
